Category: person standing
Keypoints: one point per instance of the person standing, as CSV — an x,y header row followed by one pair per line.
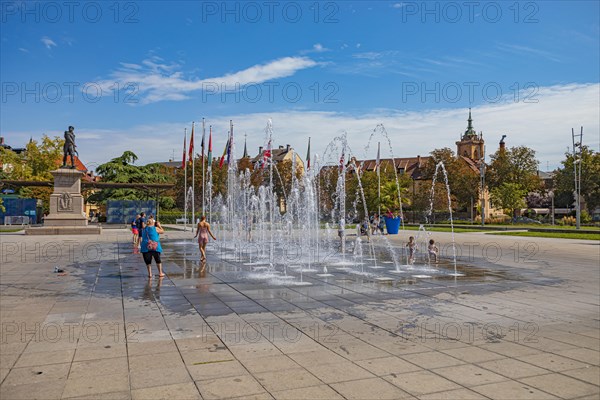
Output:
x,y
141,224
202,232
151,248
134,229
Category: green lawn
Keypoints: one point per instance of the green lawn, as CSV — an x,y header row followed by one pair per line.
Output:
x,y
442,229
2,229
557,235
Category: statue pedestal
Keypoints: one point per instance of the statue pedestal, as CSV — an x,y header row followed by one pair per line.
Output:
x,y
66,215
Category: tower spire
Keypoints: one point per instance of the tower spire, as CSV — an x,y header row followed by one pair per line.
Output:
x,y
470,131
245,148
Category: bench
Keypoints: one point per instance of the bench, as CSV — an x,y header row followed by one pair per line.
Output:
x,y
182,221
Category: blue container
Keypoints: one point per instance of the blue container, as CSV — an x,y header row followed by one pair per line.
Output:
x,y
392,225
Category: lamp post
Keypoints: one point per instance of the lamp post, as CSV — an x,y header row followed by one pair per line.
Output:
x,y
577,140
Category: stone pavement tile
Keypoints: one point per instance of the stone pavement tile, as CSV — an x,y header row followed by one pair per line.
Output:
x,y
286,379
45,357
321,392
323,356
584,355
359,352
469,375
37,374
96,384
512,368
106,366
421,382
373,388
253,350
225,388
8,360
399,346
339,372
176,391
271,363
553,362
458,394
588,374
135,348
512,390
122,395
214,370
258,396
206,340
432,359
153,361
197,356
561,385
3,373
106,351
40,390
510,349
387,366
158,377
472,354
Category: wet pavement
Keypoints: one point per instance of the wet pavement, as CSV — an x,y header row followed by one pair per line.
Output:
x,y
520,321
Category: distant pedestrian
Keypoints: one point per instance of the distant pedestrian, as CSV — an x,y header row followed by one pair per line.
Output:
x,y
141,224
202,232
134,229
151,248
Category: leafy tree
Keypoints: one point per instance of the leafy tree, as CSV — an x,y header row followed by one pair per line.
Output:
x,y
590,181
516,165
122,170
34,164
462,179
508,196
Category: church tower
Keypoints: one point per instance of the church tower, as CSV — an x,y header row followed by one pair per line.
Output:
x,y
470,144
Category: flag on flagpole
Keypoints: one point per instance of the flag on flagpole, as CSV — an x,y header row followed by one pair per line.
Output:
x,y
308,156
202,144
210,147
184,148
222,160
191,153
266,154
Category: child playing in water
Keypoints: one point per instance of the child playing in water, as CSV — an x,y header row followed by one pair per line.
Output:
x,y
412,247
433,251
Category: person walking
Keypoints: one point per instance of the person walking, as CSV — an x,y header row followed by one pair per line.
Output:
x,y
151,248
141,224
202,232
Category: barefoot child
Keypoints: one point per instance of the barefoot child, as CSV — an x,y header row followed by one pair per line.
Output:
x,y
412,247
433,251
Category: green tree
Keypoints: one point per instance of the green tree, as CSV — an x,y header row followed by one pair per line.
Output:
x,y
34,164
509,197
590,181
516,165
122,170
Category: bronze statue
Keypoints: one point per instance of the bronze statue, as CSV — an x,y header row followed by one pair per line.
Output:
x,y
69,149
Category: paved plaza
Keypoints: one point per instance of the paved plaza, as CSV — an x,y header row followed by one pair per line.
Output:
x,y
522,323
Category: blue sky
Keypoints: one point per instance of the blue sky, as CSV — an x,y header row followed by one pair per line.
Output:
x,y
414,66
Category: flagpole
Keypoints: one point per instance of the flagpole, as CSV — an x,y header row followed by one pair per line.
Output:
x,y
193,182
184,184
378,179
203,190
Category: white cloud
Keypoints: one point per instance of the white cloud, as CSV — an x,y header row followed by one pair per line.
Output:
x,y
544,126
398,5
158,81
319,48
49,43
24,50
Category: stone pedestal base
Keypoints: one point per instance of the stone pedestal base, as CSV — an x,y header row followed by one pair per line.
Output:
x,y
66,215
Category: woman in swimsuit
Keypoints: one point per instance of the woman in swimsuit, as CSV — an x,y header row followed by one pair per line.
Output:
x,y
202,232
